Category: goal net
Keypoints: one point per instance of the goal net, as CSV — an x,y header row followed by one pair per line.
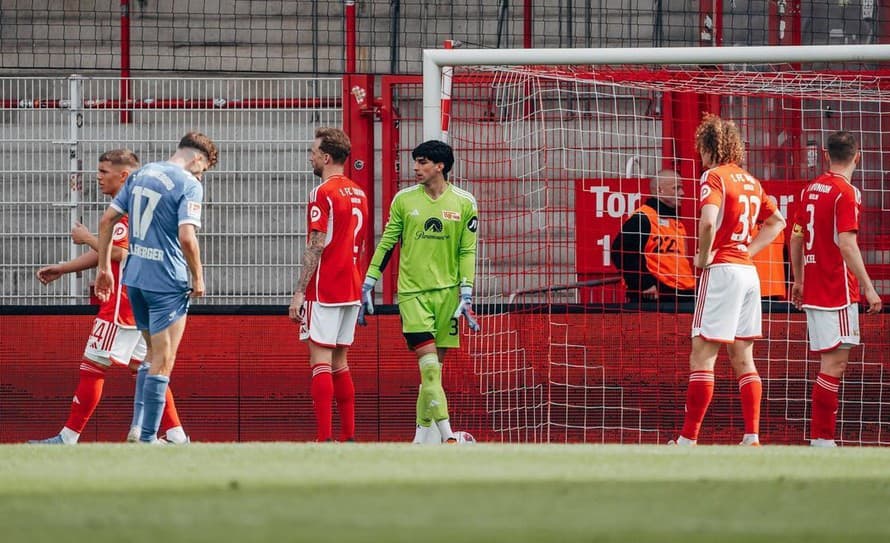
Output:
x,y
560,155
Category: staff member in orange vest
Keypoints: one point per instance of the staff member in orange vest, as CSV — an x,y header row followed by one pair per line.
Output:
x,y
651,250
770,264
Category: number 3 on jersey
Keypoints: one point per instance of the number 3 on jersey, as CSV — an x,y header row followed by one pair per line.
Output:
x,y
811,230
141,215
747,218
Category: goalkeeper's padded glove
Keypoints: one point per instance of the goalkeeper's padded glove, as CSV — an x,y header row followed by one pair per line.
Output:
x,y
367,300
465,308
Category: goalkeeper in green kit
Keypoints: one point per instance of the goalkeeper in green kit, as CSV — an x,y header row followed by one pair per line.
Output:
x,y
436,223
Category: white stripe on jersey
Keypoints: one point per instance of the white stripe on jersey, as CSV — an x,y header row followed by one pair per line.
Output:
x,y
405,191
464,194
329,235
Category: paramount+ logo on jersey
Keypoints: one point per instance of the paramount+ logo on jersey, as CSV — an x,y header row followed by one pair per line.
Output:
x,y
432,229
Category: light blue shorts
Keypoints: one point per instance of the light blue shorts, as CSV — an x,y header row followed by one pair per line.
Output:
x,y
155,311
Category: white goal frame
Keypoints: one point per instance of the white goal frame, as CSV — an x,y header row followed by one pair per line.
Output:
x,y
565,390
435,60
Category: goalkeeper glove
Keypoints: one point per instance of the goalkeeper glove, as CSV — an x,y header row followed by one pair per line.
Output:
x,y
367,300
465,308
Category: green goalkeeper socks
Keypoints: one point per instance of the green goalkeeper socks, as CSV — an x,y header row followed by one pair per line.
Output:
x,y
431,403
423,415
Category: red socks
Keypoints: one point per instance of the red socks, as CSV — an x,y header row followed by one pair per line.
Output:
x,y
325,386
750,391
700,392
322,392
170,417
344,391
86,396
825,402
698,398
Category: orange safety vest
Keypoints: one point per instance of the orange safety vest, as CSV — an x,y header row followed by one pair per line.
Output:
x,y
665,251
770,264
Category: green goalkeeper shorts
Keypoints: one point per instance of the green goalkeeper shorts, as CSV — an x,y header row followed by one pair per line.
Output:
x,y
433,312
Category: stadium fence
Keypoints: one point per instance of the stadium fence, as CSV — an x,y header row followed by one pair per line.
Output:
x,y
557,156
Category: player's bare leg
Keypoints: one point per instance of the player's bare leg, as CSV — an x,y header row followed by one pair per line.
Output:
x,y
825,397
741,356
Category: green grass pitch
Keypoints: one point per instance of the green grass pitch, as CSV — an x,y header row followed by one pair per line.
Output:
x,y
399,492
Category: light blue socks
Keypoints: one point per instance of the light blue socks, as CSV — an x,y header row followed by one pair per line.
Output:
x,y
154,394
138,404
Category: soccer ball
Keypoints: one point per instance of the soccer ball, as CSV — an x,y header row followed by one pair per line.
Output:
x,y
464,438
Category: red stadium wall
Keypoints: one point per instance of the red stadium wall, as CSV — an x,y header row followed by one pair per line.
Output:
x,y
246,378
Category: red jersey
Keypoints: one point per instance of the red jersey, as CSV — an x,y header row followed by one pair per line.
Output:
x,y
829,205
339,208
117,308
742,204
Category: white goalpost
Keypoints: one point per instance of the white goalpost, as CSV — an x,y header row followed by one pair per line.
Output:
x,y
435,60
558,146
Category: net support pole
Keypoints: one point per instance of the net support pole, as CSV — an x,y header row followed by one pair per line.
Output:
x,y
349,15
75,173
447,74
125,62
435,59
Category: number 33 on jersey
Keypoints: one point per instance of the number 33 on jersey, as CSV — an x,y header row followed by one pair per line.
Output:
x,y
742,203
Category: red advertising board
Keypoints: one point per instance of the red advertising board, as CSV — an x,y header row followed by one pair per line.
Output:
x,y
602,205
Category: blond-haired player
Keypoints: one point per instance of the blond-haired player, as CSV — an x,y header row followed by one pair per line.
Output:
x,y
727,309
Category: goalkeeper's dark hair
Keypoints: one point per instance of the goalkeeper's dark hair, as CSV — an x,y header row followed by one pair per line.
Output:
x,y
437,152
721,139
841,147
200,142
121,157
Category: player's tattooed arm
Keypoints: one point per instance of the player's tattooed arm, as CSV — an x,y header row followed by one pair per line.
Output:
x,y
311,256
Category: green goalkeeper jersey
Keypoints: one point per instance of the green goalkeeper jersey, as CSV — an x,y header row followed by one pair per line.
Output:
x,y
438,240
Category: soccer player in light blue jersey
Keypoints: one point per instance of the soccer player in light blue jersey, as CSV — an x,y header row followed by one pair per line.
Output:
x,y
163,203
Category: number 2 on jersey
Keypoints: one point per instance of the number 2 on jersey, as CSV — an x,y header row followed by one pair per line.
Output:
x,y
140,218
358,228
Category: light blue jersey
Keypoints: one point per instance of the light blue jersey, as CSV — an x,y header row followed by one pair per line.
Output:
x,y
159,197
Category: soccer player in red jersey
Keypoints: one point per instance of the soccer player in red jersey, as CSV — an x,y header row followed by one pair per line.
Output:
x,y
326,299
727,308
114,338
828,272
